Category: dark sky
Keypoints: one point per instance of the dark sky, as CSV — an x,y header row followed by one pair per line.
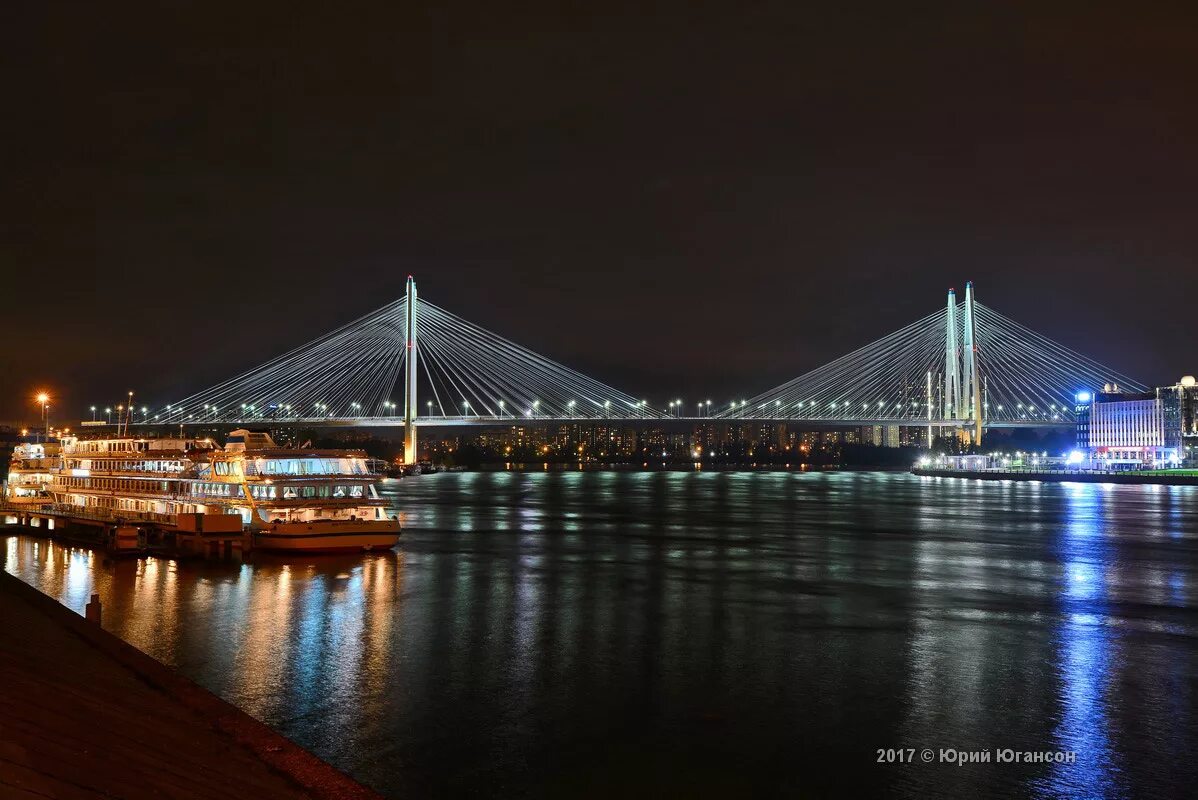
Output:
x,y
696,201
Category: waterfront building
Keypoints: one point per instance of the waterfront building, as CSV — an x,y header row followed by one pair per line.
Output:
x,y
1126,430
1183,397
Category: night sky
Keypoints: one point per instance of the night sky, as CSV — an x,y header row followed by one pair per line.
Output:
x,y
696,202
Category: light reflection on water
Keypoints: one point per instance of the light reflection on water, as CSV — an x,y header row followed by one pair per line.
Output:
x,y
703,633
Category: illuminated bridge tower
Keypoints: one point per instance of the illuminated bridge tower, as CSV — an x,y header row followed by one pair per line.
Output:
x,y
952,402
970,379
409,392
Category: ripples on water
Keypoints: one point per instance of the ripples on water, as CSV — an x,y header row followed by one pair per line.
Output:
x,y
712,634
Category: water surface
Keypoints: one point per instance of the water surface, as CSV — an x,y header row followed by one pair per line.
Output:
x,y
704,634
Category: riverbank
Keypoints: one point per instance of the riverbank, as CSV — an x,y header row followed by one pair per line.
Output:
x,y
1156,478
88,715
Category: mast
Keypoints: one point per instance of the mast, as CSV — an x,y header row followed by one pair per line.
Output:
x,y
409,395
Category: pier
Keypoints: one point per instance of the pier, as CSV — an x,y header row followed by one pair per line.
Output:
x,y
87,715
197,537
1138,478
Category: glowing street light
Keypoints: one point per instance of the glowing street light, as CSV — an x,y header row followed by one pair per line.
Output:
x,y
44,399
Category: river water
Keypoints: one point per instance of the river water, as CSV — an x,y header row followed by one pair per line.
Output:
x,y
715,634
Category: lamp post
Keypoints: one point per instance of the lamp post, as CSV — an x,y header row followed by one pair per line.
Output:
x,y
108,415
93,413
44,399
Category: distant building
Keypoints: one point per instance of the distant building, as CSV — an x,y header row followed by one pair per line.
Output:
x,y
1184,397
1125,430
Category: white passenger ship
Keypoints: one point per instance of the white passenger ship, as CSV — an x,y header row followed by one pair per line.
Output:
x,y
30,472
288,499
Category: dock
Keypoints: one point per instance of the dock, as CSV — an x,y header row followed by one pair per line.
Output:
x,y
85,715
1145,478
137,536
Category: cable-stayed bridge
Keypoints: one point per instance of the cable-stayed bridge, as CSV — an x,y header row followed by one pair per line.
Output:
x,y
411,362
965,366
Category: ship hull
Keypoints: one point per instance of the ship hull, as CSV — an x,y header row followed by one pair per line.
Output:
x,y
327,538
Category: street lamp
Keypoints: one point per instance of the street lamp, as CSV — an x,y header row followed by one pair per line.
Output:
x,y
93,413
44,399
500,408
430,408
570,408
108,415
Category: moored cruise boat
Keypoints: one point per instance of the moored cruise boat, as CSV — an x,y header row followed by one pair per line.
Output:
x,y
288,499
30,472
309,500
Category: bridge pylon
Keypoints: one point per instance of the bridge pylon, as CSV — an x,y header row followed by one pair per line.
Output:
x,y
970,377
409,391
951,407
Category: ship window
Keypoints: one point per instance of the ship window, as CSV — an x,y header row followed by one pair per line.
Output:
x,y
309,491
355,491
339,491
289,493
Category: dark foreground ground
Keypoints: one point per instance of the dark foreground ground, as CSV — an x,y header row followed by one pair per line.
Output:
x,y
83,715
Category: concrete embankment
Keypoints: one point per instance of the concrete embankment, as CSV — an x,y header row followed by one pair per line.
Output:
x,y
1063,476
83,714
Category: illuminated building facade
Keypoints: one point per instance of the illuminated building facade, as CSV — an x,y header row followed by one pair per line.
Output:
x,y
1122,430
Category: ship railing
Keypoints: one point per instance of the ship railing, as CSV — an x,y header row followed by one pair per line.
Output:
x,y
126,473
115,515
